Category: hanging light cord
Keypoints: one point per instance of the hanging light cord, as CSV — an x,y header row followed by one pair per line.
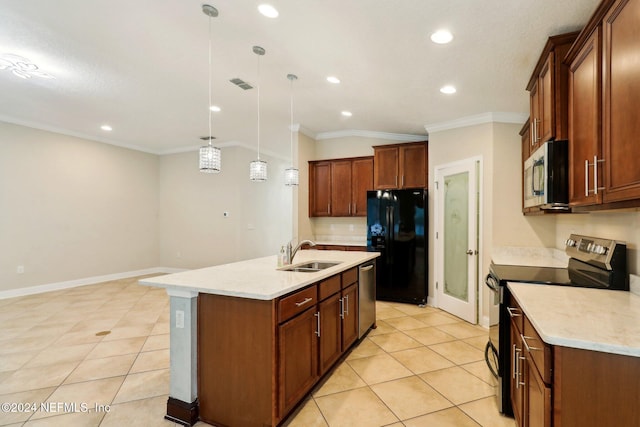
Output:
x,y
291,129
258,106
209,106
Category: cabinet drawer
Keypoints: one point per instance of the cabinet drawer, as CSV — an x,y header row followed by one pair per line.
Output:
x,y
296,303
516,314
349,277
328,287
538,350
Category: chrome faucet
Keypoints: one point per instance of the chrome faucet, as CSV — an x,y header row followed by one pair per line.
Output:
x,y
290,253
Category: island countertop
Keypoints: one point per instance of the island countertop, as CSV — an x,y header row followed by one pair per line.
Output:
x,y
583,318
259,278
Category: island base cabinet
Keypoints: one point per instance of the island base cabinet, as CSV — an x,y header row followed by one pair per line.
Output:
x,y
236,355
538,413
595,389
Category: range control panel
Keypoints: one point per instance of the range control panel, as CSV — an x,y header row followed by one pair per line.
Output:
x,y
594,250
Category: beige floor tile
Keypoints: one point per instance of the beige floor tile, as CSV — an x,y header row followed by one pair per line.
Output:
x,y
382,327
156,342
463,330
388,313
478,342
420,360
410,397
117,348
79,419
151,361
458,352
138,330
341,379
25,344
308,415
143,385
53,355
359,407
485,412
395,341
452,417
77,338
429,335
365,348
34,378
14,361
106,367
413,309
458,385
89,393
376,369
160,328
144,412
405,323
435,319
31,397
480,370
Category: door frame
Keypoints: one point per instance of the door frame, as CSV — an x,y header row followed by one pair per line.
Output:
x,y
439,225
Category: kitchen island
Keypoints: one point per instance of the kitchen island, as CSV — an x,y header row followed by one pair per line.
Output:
x,y
576,354
245,338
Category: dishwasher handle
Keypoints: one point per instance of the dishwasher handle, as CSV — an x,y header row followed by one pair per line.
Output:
x,y
366,267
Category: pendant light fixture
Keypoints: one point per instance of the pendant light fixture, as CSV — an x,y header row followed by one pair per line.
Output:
x,y
210,156
258,168
291,175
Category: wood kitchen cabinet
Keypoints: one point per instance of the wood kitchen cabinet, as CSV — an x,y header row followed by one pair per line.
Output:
x,y
400,166
548,88
338,187
604,100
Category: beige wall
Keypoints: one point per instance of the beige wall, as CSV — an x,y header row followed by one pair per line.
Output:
x,y
194,232
72,208
306,152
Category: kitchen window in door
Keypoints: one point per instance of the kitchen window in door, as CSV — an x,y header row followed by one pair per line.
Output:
x,y
456,228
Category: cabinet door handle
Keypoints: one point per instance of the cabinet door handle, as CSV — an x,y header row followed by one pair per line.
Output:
x,y
514,361
318,323
328,208
346,305
355,208
342,308
518,382
513,312
595,175
533,136
526,344
303,302
403,181
586,178
536,122
396,180
349,208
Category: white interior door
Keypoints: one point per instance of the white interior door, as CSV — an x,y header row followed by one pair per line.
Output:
x,y
457,238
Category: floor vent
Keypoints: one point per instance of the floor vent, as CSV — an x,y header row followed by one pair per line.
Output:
x,y
241,83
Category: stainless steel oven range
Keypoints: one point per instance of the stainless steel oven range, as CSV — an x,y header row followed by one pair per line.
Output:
x,y
594,263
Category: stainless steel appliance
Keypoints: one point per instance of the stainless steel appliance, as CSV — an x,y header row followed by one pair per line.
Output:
x,y
366,297
396,227
594,263
546,179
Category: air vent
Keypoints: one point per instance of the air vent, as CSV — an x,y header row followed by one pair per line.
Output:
x,y
241,83
207,138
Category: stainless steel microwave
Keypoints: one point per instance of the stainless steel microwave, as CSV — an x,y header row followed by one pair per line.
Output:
x,y
546,176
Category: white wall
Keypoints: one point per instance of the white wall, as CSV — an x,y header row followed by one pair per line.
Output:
x,y
194,232
72,208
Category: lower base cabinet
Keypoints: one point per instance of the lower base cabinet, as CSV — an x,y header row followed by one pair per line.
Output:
x,y
258,359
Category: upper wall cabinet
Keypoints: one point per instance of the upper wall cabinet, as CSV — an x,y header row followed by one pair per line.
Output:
x,y
339,187
400,166
604,102
548,92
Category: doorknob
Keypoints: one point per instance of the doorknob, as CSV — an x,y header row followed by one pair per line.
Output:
x,y
470,252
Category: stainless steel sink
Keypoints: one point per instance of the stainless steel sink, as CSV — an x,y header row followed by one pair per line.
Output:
x,y
310,267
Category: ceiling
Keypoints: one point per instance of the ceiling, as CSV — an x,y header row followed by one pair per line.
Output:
x,y
142,66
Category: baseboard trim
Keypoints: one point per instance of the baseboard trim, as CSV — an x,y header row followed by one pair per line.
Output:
x,y
31,290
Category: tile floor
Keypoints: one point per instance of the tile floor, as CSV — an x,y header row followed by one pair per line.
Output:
x,y
420,367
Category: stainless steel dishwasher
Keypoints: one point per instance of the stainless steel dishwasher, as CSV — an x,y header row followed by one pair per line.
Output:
x,y
367,297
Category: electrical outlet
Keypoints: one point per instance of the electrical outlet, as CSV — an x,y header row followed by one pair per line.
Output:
x,y
20,269
179,319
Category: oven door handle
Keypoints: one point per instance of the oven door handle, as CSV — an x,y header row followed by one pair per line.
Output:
x,y
492,283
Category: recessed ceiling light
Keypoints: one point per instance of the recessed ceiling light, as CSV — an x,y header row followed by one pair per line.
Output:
x,y
106,128
333,79
441,37
214,108
268,11
347,113
448,89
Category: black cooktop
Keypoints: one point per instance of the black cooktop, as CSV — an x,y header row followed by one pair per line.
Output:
x,y
521,273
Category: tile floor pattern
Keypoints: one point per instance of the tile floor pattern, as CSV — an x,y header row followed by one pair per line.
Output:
x,y
420,367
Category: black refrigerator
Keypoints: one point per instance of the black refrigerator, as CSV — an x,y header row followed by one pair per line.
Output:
x,y
397,228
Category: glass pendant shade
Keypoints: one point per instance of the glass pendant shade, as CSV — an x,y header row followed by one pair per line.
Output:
x,y
210,159
291,176
258,170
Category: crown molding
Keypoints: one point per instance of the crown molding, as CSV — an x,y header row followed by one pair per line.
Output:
x,y
370,134
478,119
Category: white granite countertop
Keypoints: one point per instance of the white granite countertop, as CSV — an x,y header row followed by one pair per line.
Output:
x,y
584,318
535,257
259,278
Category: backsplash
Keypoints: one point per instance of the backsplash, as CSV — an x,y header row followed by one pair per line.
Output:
x,y
349,229
539,257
